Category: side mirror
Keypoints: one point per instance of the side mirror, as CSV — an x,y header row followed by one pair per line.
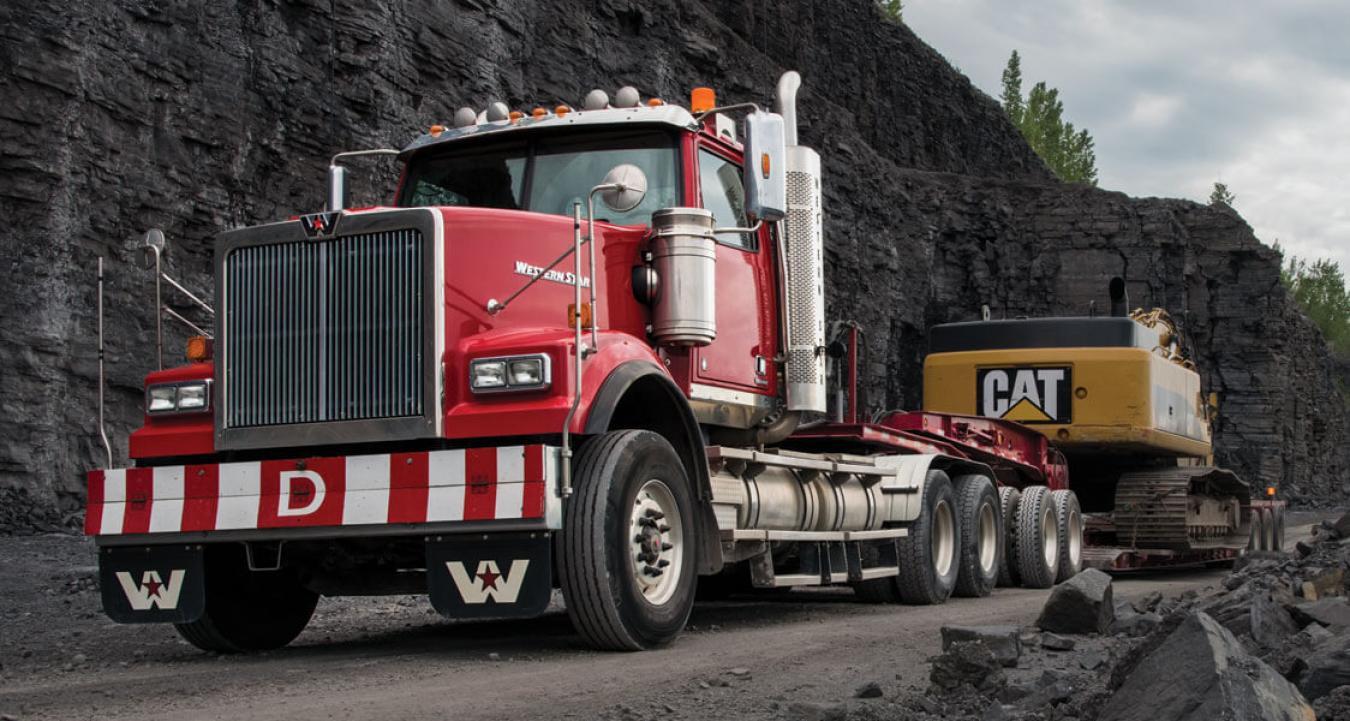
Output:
x,y
629,188
152,247
765,172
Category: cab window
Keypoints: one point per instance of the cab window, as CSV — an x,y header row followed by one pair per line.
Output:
x,y
723,194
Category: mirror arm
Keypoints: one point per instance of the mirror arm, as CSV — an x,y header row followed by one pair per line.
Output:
x,y
726,108
743,231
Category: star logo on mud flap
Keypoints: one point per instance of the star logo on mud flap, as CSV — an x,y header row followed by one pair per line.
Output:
x,y
488,582
152,591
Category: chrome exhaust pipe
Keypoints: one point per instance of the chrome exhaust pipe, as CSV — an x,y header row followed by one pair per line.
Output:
x,y
785,103
337,188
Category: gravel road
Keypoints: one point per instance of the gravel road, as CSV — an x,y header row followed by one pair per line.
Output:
x,y
392,657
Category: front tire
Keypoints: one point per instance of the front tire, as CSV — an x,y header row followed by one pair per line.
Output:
x,y
628,547
1069,521
248,611
1037,538
981,521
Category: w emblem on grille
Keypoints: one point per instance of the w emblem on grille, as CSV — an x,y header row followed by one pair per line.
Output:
x,y
320,225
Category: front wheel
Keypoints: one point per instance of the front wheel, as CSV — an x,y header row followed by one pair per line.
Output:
x,y
627,550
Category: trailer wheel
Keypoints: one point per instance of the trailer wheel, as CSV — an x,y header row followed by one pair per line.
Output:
x,y
1257,520
626,551
1037,538
1069,521
1009,498
248,610
980,518
1268,521
1279,529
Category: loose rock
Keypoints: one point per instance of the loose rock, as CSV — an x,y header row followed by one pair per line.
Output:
x,y
1202,672
967,663
1056,642
1327,611
1326,669
1082,604
1004,641
871,689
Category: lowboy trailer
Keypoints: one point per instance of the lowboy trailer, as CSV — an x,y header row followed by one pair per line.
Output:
x,y
494,386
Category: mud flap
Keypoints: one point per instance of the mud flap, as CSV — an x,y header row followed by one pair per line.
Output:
x,y
152,584
506,576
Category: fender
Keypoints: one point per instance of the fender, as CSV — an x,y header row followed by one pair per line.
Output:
x,y
600,417
905,491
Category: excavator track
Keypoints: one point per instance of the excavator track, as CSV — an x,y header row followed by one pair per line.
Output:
x,y
1184,508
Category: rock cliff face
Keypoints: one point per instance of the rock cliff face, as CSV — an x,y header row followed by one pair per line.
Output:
x,y
195,117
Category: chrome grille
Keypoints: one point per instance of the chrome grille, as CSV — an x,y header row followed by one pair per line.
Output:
x,y
324,331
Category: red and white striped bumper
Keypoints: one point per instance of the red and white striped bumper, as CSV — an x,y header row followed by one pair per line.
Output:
x,y
429,487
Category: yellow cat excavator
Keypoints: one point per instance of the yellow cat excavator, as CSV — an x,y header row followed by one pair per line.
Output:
x,y
1121,399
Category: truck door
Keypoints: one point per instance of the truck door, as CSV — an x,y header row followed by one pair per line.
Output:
x,y
741,358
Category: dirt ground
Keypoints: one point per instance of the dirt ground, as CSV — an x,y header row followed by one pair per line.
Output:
x,y
393,657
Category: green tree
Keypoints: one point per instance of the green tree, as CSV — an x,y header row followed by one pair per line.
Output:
x,y
1012,88
1068,151
1221,195
1319,288
892,9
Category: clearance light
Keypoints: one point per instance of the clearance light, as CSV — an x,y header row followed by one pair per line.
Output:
x,y
655,102
511,373
516,115
572,315
561,110
1270,490
764,165
436,130
198,349
701,100
538,113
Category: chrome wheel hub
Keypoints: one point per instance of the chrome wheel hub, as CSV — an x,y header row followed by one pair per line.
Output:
x,y
656,542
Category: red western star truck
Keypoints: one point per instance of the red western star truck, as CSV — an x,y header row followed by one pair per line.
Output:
x,y
496,386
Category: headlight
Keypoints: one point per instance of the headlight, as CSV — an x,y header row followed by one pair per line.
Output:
x,y
178,397
514,373
163,398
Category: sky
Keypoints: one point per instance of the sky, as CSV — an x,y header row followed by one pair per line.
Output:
x,y
1179,94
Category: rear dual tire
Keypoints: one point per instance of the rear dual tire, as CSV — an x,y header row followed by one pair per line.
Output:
x,y
929,556
982,536
1037,538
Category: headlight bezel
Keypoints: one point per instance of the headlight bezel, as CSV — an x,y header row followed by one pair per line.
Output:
x,y
506,362
201,386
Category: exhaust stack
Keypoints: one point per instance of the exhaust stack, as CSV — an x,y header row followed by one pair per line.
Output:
x,y
804,257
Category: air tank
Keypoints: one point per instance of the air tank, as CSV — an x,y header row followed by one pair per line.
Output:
x,y
684,256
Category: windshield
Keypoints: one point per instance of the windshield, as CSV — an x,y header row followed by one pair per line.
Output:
x,y
547,174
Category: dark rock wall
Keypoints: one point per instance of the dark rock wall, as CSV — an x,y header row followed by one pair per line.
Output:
x,y
194,117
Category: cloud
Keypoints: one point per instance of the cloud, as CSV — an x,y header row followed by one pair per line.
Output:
x,y
1179,95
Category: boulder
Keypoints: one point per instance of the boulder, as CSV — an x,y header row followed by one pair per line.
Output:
x,y
1055,642
1271,625
1327,668
1081,604
967,662
1326,611
1004,641
1334,706
1201,672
